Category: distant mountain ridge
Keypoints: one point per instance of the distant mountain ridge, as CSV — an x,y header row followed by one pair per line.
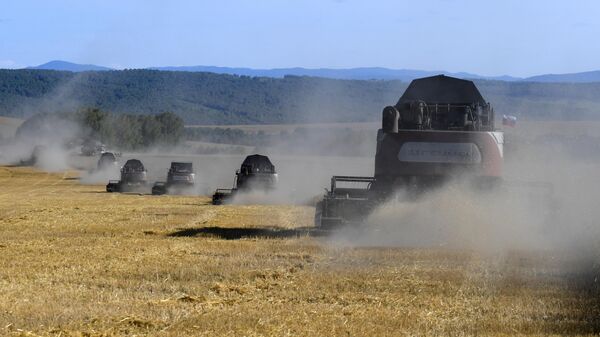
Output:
x,y
588,76
364,73
69,66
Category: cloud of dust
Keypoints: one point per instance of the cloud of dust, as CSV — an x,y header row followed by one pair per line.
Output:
x,y
548,201
48,145
50,142
307,156
100,175
302,179
53,158
64,97
278,196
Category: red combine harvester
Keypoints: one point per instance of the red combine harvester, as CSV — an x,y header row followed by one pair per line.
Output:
x,y
440,129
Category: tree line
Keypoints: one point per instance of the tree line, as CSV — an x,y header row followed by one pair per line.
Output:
x,y
299,140
122,131
216,99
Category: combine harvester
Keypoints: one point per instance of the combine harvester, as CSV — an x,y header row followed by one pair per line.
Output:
x,y
257,173
107,161
180,177
440,129
133,178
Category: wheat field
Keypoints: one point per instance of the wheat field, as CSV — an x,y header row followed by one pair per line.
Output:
x,y
76,261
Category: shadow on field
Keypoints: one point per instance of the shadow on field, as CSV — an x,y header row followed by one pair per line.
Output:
x,y
585,285
241,233
114,193
576,311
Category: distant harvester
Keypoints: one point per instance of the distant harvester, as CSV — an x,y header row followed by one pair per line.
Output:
x,y
133,178
180,176
257,173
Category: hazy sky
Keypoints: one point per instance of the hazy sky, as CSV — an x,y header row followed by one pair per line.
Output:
x,y
514,37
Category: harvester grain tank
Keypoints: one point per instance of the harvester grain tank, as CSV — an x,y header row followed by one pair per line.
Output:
x,y
181,176
133,178
256,173
440,128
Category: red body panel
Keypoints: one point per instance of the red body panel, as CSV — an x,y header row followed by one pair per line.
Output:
x,y
439,153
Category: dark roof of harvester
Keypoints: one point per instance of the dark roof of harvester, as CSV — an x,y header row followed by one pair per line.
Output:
x,y
443,90
134,164
181,166
257,160
108,155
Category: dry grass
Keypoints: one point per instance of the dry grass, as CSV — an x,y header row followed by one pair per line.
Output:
x,y
77,261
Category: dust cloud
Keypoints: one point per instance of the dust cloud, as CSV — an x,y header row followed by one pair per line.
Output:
x,y
518,215
100,175
48,146
47,143
548,201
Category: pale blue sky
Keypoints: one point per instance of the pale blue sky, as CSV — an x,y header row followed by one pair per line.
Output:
x,y
514,37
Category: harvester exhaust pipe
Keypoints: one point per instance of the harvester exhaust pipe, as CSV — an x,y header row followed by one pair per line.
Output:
x,y
390,119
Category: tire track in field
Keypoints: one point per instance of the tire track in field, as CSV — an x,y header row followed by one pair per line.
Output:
x,y
13,188
36,185
59,185
6,175
25,188
26,192
12,185
52,184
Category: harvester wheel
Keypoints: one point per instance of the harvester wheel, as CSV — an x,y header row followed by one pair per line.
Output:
x,y
159,190
113,187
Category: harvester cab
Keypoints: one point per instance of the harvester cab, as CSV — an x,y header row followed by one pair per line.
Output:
x,y
107,161
133,178
256,173
440,128
180,176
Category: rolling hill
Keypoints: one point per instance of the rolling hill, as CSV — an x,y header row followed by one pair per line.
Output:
x,y
584,77
363,73
209,98
69,66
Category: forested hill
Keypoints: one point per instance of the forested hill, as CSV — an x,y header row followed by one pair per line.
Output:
x,y
208,98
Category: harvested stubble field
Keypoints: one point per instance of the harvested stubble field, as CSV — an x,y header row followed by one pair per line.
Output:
x,y
77,261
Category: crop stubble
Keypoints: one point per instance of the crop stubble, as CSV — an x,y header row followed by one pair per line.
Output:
x,y
77,261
